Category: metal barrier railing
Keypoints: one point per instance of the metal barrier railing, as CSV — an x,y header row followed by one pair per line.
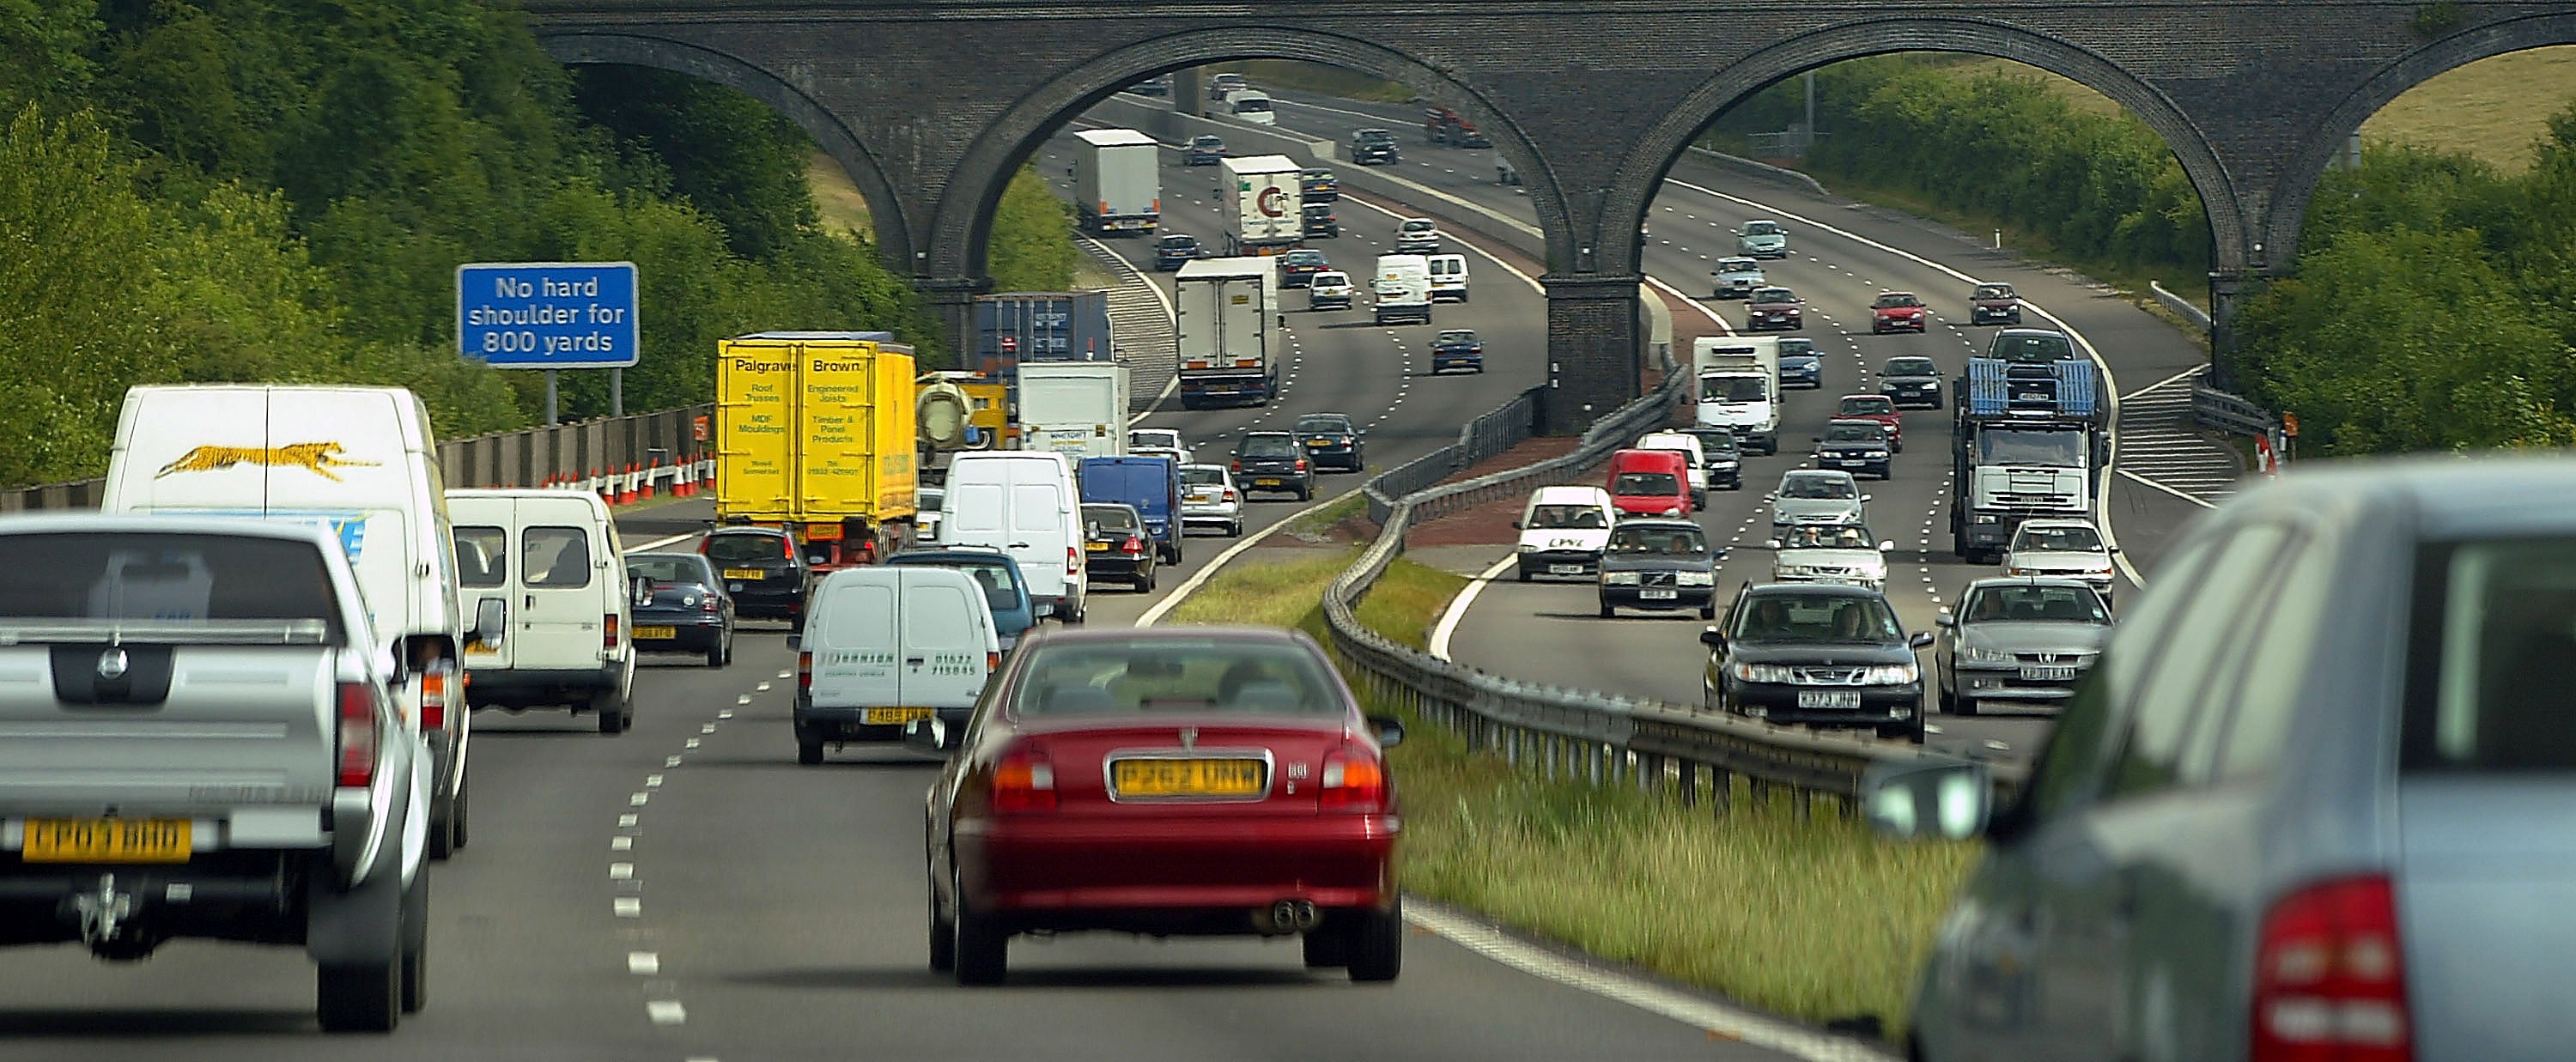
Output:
x,y
1584,733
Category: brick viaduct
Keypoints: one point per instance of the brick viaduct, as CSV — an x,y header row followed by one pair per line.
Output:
x,y
933,104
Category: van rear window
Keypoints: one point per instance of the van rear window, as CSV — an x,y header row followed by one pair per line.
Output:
x,y
482,557
165,577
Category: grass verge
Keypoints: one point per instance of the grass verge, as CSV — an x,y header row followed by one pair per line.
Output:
x,y
1316,524
1331,80
837,199
1813,918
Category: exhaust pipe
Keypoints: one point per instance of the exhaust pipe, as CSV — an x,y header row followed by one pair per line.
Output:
x,y
1286,917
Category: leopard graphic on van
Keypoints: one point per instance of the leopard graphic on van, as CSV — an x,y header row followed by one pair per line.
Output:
x,y
318,458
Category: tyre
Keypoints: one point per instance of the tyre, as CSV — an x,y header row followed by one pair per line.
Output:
x,y
1305,494
1608,610
1145,584
1234,530
982,950
1949,700
716,653
1963,704
1327,949
1377,945
1912,732
1522,571
613,715
442,826
415,953
943,939
1708,611
809,748
364,998
456,813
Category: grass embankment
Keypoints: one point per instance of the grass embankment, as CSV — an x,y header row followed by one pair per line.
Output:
x,y
1316,77
1316,524
1816,919
837,199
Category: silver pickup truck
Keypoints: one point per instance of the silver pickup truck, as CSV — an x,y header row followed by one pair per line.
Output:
x,y
196,740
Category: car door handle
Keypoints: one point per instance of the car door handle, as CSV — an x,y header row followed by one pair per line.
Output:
x,y
914,660
1019,545
532,600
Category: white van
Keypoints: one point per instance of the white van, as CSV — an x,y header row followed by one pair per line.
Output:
x,y
557,556
1695,460
360,461
1448,277
1563,531
887,645
1024,503
1253,105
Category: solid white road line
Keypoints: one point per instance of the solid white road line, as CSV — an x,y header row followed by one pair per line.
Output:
x,y
648,547
1457,609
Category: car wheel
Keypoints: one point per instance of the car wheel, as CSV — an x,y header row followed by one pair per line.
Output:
x,y
613,716
1234,530
1949,700
456,814
1912,732
1963,704
1708,611
1305,494
1145,583
1608,610
442,827
1327,949
983,949
943,939
1377,945
716,653
415,952
359,998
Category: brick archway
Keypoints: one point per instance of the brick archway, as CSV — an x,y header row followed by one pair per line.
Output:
x,y
1644,172
893,231
963,224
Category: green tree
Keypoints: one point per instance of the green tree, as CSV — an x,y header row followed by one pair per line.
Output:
x,y
1032,245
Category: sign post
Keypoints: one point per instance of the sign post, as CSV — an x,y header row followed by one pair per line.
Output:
x,y
551,316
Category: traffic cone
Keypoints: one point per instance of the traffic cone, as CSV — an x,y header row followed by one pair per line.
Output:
x,y
625,485
645,491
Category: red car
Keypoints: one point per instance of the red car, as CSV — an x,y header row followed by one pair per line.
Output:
x,y
1879,408
1898,311
1172,781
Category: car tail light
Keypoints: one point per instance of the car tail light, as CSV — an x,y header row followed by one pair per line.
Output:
x,y
2330,977
608,630
1023,782
1133,545
1354,780
1301,464
703,543
1238,467
358,737
992,662
1229,494
433,699
1072,561
787,548
804,671
708,604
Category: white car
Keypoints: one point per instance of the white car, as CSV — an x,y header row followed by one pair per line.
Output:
x,y
1209,497
2066,549
1417,236
1694,460
1329,290
1813,496
1830,553
1563,531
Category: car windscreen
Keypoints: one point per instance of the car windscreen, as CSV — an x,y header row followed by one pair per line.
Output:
x,y
1737,265
746,549
1000,594
1247,106
2033,349
1645,483
1206,141
1564,517
1457,337
1834,488
1173,675
1108,518
1413,227
1731,389
1772,295
166,578
2491,656
1910,367
1797,348
1854,433
1331,280
1269,446
1712,441
1179,243
1888,301
667,568
2006,604
1761,228
1826,536
1632,538
1305,258
2058,539
1790,616
2052,449
1994,291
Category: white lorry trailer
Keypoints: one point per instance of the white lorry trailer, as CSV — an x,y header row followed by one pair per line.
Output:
x,y
1117,182
1265,205
1230,334
1739,388
1076,408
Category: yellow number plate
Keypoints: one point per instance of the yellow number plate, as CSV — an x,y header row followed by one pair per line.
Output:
x,y
885,716
1095,546
479,647
1166,778
108,840
745,573
657,633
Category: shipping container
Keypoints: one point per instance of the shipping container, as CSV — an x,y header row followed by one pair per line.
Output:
x,y
1038,326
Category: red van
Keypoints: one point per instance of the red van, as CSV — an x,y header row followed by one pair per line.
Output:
x,y
1650,483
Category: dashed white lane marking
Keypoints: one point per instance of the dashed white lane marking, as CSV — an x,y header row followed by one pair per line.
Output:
x,y
670,761
742,699
639,799
652,781
762,688
726,714
643,963
628,907
621,871
1717,1018
626,820
666,1011
621,844
693,743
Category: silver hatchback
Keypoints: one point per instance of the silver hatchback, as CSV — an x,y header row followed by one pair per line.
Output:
x,y
2316,800
1210,498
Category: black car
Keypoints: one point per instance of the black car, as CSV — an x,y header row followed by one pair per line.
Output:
x,y
1458,348
1720,456
1911,382
679,605
1817,654
1274,461
1856,446
1373,147
1174,250
1318,185
1662,565
761,569
1118,544
1159,85
1203,151
1320,223
1331,439
1298,268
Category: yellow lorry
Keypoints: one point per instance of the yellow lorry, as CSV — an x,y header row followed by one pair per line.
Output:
x,y
815,434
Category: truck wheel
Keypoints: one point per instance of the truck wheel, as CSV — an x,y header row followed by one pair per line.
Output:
x,y
359,998
613,716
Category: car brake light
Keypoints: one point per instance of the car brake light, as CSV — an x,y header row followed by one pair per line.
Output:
x,y
1132,545
608,630
804,671
992,662
1022,782
1072,561
1229,494
787,548
708,604
358,723
2330,977
433,699
703,543
1238,466
1353,781
1301,464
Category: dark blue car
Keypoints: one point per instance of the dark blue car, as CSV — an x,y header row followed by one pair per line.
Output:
x,y
1175,250
1014,612
679,605
1151,484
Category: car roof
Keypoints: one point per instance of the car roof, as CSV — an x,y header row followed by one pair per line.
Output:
x,y
771,532
1856,422
1567,494
957,552
1820,473
666,553
1259,434
1773,287
2446,496
1668,523
1881,398
2060,522
1184,633
2028,580
1830,589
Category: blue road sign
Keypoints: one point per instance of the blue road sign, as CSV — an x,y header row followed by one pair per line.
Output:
x,y
548,315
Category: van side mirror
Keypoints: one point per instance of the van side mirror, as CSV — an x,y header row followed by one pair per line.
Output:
x,y
1886,544
1932,798
930,735
491,619
1864,497
1388,730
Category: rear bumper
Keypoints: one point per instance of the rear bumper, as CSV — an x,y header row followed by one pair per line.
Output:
x,y
247,895
517,687
1333,302
850,723
1058,872
687,636
1443,362
1284,482
769,598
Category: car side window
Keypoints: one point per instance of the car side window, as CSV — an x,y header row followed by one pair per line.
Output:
x,y
2174,694
2252,724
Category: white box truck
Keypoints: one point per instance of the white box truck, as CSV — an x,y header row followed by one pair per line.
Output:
x,y
1739,388
1117,182
1076,408
1402,287
1265,205
1228,316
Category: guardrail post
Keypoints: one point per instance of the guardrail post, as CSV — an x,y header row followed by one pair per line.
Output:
x,y
1592,757
1801,797
1721,789
1650,770
1690,782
